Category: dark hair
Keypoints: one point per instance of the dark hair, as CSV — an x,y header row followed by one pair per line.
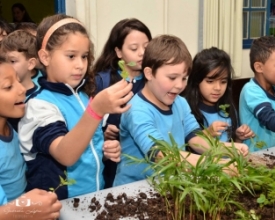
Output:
x,y
26,17
261,50
5,26
20,41
59,36
26,26
166,49
108,58
204,62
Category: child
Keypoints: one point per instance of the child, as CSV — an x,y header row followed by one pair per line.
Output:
x,y
158,109
13,167
27,26
127,41
19,48
36,204
61,129
209,87
257,100
5,29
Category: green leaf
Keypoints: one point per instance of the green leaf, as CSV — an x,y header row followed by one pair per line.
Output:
x,y
51,189
132,63
261,199
62,181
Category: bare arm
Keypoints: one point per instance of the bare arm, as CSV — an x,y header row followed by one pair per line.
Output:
x,y
110,100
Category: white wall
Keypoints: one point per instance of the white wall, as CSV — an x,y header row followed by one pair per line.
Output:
x,y
246,70
177,17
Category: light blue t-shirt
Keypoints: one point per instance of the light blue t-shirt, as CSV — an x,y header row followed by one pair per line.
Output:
x,y
210,113
13,167
3,198
254,101
144,119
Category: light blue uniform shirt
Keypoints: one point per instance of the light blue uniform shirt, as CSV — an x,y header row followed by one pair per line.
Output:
x,y
144,119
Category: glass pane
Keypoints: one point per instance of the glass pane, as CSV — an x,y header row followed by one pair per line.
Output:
x,y
257,24
258,3
245,25
245,3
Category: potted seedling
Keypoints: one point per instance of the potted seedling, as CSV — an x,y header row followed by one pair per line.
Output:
x,y
209,189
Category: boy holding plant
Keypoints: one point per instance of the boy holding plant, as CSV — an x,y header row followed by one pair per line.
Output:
x,y
158,110
257,98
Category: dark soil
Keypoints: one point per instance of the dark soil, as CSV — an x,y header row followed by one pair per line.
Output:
x,y
151,205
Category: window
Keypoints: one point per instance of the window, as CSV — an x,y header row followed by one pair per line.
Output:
x,y
256,20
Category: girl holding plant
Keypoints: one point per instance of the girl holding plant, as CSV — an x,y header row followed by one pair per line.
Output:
x,y
121,58
209,94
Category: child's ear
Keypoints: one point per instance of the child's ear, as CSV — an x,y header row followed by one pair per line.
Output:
x,y
44,57
31,63
258,66
118,52
148,73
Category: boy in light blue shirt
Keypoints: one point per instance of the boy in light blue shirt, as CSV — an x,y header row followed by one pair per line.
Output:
x,y
257,98
158,110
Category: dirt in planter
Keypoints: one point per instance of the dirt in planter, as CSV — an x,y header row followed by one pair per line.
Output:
x,y
151,205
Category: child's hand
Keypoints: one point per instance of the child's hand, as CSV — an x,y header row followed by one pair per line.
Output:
x,y
216,128
244,132
113,98
112,150
49,205
111,132
242,148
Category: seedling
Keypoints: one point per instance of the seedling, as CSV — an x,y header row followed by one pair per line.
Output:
x,y
124,72
207,186
63,182
258,144
224,108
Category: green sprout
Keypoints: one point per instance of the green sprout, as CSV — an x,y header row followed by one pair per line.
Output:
x,y
224,108
207,188
256,143
63,182
124,72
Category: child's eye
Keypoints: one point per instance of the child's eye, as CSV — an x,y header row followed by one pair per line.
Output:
x,y
224,81
71,56
12,61
209,81
133,49
9,87
172,78
184,78
85,57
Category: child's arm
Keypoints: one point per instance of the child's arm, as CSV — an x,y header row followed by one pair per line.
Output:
x,y
244,132
110,100
39,205
200,145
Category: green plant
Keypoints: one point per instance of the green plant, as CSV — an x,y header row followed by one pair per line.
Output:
x,y
63,182
206,186
224,108
256,143
121,64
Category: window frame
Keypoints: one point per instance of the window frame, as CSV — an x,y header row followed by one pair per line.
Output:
x,y
59,6
247,42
